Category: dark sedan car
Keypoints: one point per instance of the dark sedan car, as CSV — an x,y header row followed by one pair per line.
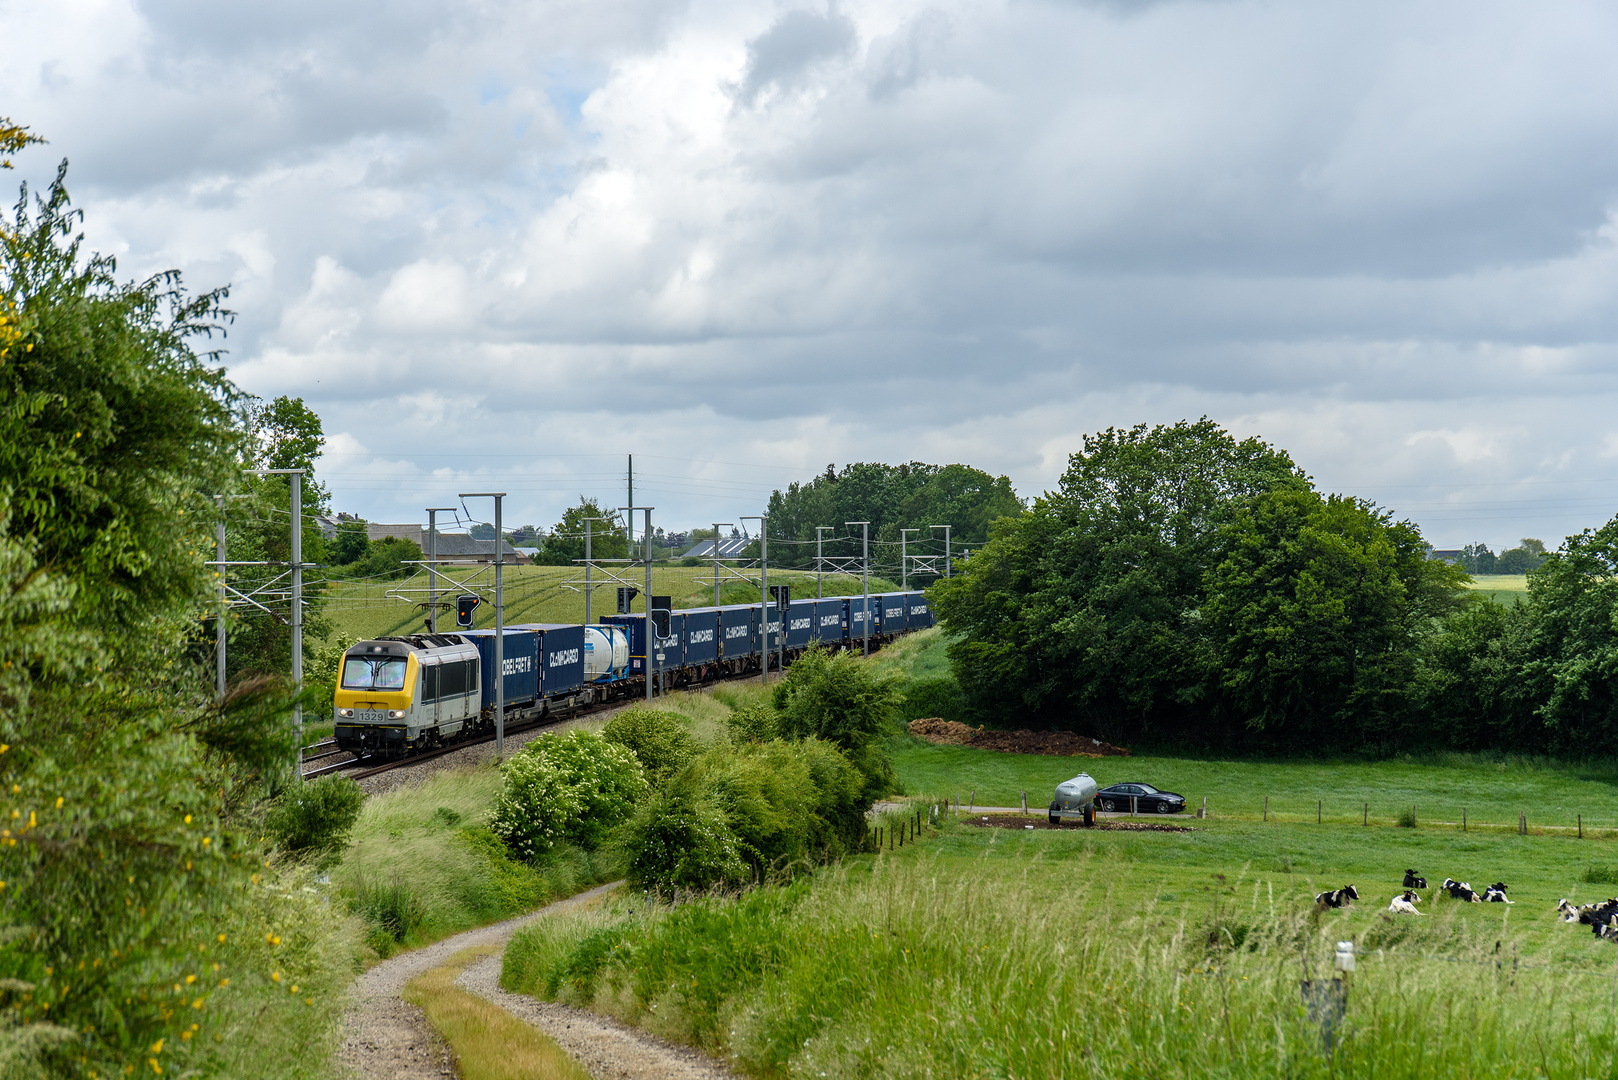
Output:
x,y
1148,800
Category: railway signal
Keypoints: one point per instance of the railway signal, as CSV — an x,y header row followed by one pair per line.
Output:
x,y
464,606
661,609
626,597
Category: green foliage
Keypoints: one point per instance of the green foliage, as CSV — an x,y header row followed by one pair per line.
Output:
x,y
1407,818
1574,595
1471,687
768,810
1312,615
386,558
350,544
936,695
315,818
1600,875
571,788
913,495
128,869
753,724
393,908
839,698
566,541
659,740
1086,607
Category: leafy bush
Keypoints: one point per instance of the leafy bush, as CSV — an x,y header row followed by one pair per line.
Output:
x,y
658,739
936,695
753,724
315,818
766,810
1601,875
838,698
682,843
1407,818
574,787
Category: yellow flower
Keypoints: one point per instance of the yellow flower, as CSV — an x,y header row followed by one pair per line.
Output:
x,y
294,990
157,1047
206,840
189,979
188,819
58,802
221,939
276,975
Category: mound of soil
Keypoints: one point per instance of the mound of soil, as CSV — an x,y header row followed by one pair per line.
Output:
x,y
946,732
1006,822
1049,743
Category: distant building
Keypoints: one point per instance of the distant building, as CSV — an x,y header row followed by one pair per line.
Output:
x,y
730,547
459,546
1449,555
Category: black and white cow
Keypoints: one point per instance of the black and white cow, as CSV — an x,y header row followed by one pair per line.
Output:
x,y
1461,890
1414,880
1496,894
1405,904
1337,898
1596,916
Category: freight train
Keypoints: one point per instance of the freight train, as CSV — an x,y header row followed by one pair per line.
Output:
x,y
398,694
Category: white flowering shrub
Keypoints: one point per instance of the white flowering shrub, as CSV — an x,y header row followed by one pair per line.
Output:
x,y
571,788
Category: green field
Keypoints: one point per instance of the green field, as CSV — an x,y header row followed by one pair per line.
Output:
x,y
1011,953
1506,588
1440,787
368,609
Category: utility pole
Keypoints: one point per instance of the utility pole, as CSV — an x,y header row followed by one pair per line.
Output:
x,y
946,529
651,630
296,483
820,564
763,595
904,565
629,517
865,578
499,621
219,621
716,558
432,563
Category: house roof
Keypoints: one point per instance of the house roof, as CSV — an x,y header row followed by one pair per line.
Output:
x,y
730,547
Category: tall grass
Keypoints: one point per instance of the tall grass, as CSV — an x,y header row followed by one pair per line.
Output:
x,y
423,865
885,968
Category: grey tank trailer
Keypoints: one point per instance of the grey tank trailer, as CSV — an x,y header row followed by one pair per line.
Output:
x,y
1075,798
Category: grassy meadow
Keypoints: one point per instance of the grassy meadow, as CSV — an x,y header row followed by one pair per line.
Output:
x,y
1011,953
1506,588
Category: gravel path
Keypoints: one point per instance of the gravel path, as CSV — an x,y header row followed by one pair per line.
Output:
x,y
386,1038
607,1049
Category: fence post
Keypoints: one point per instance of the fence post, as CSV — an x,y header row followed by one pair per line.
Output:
x,y
1367,821
972,802
1317,810
1266,808
1463,819
1205,808
1581,826
1025,804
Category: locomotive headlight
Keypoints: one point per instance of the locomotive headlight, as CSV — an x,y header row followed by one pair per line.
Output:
x,y
396,714
345,712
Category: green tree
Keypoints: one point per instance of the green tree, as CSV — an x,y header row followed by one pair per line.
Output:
x,y
913,495
1316,615
126,788
349,545
566,541
1086,609
1526,557
1575,643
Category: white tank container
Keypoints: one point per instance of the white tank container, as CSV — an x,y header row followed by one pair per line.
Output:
x,y
606,652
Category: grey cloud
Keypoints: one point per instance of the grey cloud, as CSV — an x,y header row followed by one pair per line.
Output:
x,y
783,54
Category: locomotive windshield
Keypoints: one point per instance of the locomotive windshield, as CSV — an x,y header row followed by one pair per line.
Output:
x,y
383,673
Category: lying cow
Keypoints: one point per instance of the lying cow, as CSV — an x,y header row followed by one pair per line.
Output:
x,y
1337,898
1496,894
1405,904
1597,917
1461,890
1414,881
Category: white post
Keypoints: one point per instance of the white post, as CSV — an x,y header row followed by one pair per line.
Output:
x,y
219,627
296,478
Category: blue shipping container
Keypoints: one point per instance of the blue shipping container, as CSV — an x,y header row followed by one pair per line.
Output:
x,y
701,635
800,623
561,645
830,619
894,619
672,647
738,624
856,618
521,654
920,615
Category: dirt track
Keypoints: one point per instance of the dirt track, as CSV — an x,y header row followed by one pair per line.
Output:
x,y
385,1038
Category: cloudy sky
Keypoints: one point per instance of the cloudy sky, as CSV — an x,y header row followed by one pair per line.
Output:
x,y
501,245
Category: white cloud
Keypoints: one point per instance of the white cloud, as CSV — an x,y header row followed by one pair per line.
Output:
x,y
521,240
